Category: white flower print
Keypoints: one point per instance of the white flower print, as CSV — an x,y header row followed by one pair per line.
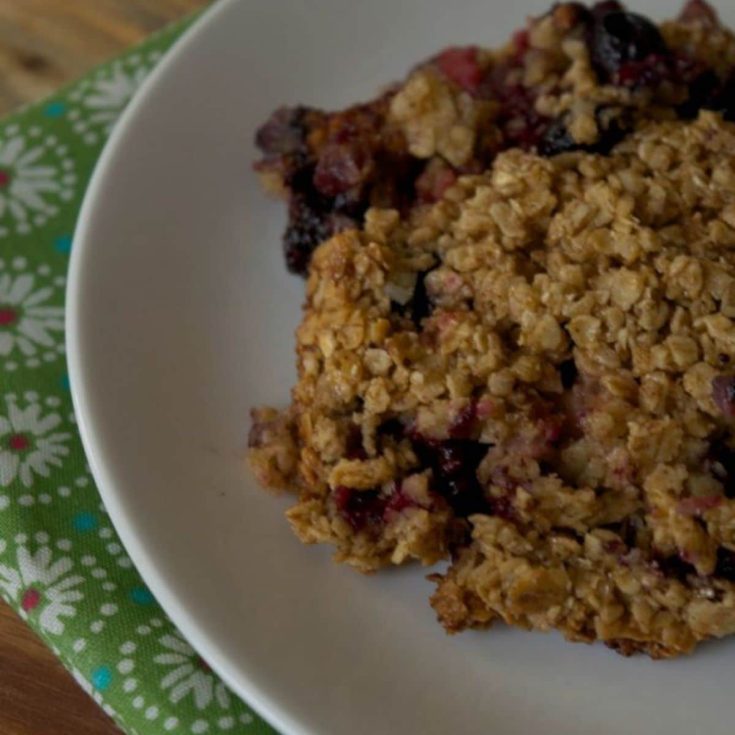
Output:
x,y
35,173
30,443
100,99
27,322
43,587
189,674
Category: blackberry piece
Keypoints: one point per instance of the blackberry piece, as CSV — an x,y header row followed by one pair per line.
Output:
x,y
617,38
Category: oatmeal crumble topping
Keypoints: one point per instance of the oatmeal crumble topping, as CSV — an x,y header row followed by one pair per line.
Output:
x,y
529,370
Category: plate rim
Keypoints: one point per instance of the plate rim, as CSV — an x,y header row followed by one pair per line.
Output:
x,y
193,629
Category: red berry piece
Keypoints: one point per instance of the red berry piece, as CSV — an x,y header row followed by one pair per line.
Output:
x,y
462,66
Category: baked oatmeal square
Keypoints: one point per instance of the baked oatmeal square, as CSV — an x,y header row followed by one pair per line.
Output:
x,y
517,343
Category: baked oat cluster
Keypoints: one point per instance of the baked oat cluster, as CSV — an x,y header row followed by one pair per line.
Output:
x,y
531,373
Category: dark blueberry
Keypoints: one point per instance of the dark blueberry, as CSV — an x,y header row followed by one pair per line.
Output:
x,y
392,427
458,537
348,205
611,134
724,100
450,458
307,227
354,448
568,373
454,465
419,306
464,494
723,394
725,568
720,461
557,139
283,133
457,457
702,91
311,221
617,38
674,567
627,530
360,508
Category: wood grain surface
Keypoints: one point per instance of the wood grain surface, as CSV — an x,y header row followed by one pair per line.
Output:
x,y
44,44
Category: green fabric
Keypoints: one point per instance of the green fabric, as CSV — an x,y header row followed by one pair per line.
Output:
x,y
62,566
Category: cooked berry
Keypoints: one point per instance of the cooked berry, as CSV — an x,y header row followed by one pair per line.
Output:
x,y
568,373
392,427
462,66
397,502
464,423
435,179
354,448
703,91
557,139
308,226
457,456
674,566
725,568
720,461
611,133
360,508
618,38
723,394
419,307
521,123
464,495
628,530
648,72
284,132
723,100
340,168
503,507
454,465
518,119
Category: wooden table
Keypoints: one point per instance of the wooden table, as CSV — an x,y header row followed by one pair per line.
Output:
x,y
43,44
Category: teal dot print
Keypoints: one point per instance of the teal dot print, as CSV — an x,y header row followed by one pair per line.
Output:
x,y
141,596
84,522
101,678
62,244
55,109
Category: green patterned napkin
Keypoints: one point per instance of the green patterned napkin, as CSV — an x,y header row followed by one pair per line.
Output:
x,y
62,566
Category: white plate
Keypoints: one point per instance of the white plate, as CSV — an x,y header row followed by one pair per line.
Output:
x,y
180,318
